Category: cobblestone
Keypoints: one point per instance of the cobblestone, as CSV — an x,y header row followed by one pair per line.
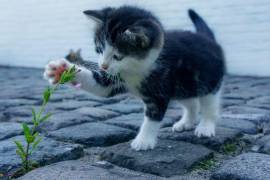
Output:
x,y
223,135
110,123
49,151
167,159
249,166
93,134
70,170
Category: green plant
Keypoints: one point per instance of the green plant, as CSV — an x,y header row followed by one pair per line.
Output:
x,y
205,164
31,135
229,148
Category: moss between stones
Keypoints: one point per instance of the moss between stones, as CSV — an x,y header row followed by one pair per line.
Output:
x,y
205,164
234,148
229,148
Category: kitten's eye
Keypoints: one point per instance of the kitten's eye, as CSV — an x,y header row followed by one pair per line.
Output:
x,y
118,58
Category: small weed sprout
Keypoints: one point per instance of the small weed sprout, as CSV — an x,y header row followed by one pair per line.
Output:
x,y
31,135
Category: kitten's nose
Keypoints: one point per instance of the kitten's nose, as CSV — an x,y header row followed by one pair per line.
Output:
x,y
104,66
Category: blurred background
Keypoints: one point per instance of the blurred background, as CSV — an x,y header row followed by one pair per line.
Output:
x,y
33,32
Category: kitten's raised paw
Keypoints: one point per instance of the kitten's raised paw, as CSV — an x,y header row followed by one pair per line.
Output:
x,y
205,129
182,126
140,143
54,70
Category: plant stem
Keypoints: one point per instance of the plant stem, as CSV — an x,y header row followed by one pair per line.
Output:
x,y
26,158
42,109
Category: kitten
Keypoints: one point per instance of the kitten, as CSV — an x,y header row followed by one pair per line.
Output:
x,y
155,65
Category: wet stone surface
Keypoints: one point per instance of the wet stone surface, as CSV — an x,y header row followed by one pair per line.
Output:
x,y
82,121
167,159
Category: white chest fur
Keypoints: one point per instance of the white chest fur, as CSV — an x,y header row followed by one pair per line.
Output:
x,y
138,70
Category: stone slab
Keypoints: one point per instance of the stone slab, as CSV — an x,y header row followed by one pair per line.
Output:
x,y
249,166
73,104
124,108
64,119
242,125
263,144
261,102
96,113
223,135
72,170
245,110
254,118
10,129
93,134
134,120
167,159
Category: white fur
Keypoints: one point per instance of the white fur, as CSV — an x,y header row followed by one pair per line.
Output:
x,y
147,137
84,77
88,83
210,106
190,115
132,70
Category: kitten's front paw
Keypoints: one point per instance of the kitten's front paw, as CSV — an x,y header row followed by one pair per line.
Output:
x,y
182,126
140,143
54,70
205,129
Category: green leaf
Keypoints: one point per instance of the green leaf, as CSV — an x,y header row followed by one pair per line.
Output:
x,y
27,133
44,118
68,75
30,139
35,136
63,76
35,144
34,115
26,130
19,147
46,95
22,156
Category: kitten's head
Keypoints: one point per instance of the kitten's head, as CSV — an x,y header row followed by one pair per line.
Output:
x,y
126,38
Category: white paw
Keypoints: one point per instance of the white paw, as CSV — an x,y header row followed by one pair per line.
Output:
x,y
141,143
182,126
205,129
54,70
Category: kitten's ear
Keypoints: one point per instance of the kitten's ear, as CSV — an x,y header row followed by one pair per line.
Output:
x,y
78,53
136,37
71,51
96,15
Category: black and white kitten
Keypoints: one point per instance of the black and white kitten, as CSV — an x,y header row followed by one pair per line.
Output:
x,y
155,65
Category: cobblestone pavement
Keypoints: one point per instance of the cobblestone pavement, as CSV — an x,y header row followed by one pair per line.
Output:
x,y
88,137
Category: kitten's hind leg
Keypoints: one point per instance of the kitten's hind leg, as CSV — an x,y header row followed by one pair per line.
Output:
x,y
210,107
189,117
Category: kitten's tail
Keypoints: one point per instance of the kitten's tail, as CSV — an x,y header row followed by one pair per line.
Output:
x,y
200,24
